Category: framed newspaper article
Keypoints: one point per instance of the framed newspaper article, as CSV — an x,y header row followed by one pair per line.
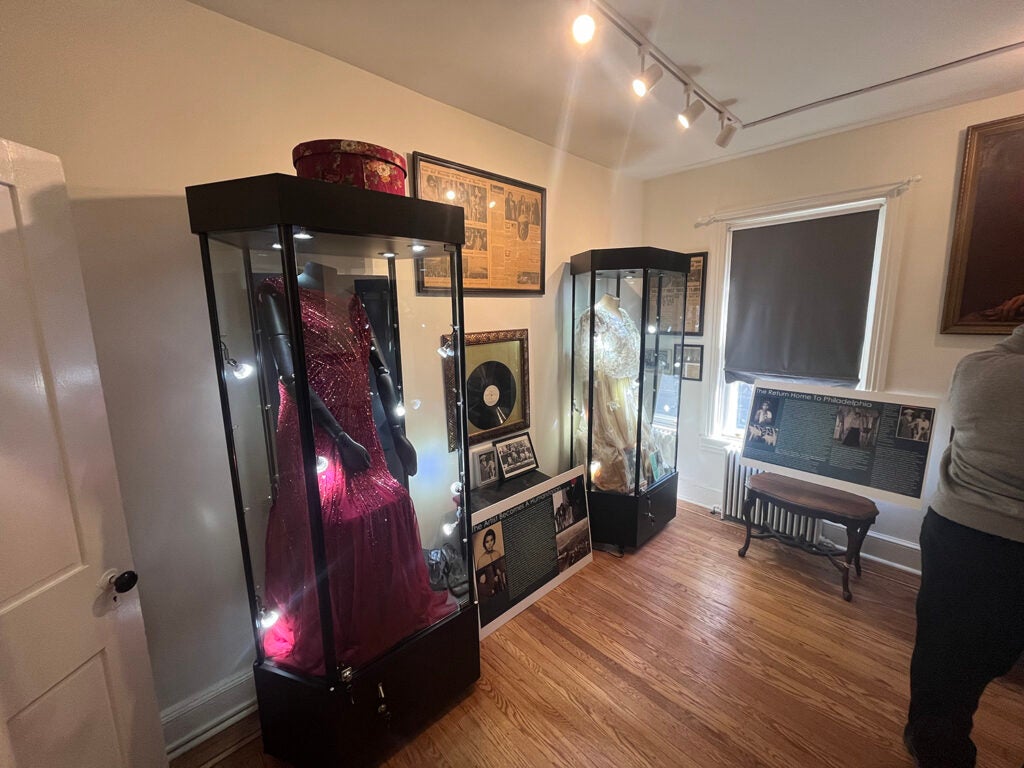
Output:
x,y
695,289
505,221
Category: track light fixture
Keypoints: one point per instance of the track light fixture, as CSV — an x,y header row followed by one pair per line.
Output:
x,y
728,131
583,28
694,109
647,78
698,100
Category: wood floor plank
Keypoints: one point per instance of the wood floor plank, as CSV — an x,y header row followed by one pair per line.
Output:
x,y
684,655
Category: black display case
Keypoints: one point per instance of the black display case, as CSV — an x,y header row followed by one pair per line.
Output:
x,y
629,306
349,504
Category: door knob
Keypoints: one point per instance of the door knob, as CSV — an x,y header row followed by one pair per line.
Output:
x,y
119,582
125,582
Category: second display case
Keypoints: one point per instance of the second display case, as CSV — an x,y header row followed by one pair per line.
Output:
x,y
629,306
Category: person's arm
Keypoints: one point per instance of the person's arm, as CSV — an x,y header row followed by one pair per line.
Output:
x,y
354,457
389,399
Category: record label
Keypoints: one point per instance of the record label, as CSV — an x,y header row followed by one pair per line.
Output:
x,y
490,394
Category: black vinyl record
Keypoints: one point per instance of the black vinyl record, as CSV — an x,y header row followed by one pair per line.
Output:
x,y
491,394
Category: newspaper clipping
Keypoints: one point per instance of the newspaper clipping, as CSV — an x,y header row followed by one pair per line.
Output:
x,y
866,439
504,229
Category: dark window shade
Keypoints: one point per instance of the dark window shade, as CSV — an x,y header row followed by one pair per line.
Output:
x,y
798,298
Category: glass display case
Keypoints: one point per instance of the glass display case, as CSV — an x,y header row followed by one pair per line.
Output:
x,y
349,504
628,310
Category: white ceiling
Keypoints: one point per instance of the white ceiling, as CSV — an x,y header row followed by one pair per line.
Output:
x,y
515,63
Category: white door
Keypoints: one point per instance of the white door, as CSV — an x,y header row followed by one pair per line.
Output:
x,y
76,688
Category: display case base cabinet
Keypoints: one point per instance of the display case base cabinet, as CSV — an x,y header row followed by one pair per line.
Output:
x,y
306,723
628,521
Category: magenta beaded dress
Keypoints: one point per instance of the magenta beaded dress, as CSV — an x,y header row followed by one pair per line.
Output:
x,y
379,588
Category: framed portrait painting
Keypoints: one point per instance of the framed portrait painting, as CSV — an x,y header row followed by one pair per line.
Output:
x,y
985,283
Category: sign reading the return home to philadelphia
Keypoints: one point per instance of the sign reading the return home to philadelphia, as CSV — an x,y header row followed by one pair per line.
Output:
x,y
858,440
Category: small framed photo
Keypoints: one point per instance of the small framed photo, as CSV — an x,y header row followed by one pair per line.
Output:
x,y
515,455
483,466
690,361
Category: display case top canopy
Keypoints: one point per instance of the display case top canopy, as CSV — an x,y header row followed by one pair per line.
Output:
x,y
642,257
276,198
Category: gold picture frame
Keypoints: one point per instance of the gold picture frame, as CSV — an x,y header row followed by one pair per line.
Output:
x,y
505,229
508,349
985,283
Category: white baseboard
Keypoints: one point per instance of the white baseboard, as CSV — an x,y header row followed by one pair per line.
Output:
x,y
700,495
899,553
191,722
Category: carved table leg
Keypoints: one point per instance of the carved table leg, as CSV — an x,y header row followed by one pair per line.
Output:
x,y
748,505
852,546
862,533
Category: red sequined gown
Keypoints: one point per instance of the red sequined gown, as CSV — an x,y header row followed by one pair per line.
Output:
x,y
380,591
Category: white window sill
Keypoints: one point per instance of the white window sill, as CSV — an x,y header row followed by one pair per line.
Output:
x,y
719,444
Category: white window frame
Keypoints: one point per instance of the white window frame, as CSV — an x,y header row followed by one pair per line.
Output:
x,y
885,271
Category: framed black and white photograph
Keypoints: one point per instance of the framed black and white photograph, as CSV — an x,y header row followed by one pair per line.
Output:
x,y
689,359
489,556
483,466
515,455
656,361
915,424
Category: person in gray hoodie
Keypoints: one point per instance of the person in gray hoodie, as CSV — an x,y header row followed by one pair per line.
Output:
x,y
970,608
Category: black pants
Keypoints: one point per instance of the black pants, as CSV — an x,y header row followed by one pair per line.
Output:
x,y
970,630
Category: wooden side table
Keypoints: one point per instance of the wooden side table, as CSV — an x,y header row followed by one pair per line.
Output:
x,y
855,513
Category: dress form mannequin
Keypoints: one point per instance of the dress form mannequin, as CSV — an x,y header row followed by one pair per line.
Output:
x,y
615,366
379,586
317,277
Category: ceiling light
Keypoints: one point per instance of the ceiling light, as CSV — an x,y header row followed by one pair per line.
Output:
x,y
725,135
583,28
302,234
647,79
419,248
693,110
698,100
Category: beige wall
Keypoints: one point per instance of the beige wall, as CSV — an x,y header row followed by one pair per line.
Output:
x,y
140,98
919,359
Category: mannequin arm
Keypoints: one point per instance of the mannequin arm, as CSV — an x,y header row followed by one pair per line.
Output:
x,y
389,399
354,457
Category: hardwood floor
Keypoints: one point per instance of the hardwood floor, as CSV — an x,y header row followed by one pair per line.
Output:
x,y
686,655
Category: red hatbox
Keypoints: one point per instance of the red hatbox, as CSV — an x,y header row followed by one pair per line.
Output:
x,y
355,163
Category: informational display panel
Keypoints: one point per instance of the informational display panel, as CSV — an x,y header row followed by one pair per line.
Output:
x,y
526,545
843,438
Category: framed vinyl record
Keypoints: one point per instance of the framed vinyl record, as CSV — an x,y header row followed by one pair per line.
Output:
x,y
497,392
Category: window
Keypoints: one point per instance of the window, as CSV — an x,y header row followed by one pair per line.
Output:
x,y
799,302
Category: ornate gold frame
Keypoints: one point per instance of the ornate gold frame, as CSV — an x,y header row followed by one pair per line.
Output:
x,y
519,338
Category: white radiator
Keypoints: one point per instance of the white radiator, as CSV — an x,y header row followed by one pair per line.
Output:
x,y
733,495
